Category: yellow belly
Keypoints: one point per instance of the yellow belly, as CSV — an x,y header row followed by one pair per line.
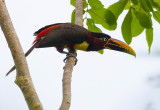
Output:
x,y
83,46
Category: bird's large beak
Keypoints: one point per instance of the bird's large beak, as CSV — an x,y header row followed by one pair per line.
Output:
x,y
114,44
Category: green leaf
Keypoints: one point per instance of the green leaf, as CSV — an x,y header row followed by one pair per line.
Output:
x,y
95,4
137,7
149,37
126,27
156,16
128,5
104,17
92,27
72,2
100,51
135,2
144,18
144,5
118,7
110,18
156,4
156,1
73,17
149,4
136,28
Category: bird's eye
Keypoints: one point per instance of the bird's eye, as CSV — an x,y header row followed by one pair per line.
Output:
x,y
104,39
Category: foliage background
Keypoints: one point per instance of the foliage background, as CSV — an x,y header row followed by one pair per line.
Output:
x,y
110,81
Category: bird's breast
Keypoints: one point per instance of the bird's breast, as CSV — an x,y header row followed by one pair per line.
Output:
x,y
82,46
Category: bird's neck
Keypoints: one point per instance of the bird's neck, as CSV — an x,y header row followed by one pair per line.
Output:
x,y
94,43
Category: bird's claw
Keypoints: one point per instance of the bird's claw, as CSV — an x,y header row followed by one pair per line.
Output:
x,y
70,55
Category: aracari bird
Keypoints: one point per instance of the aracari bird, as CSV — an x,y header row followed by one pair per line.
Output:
x,y
72,36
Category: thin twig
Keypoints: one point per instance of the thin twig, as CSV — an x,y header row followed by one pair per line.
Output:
x,y
23,79
68,68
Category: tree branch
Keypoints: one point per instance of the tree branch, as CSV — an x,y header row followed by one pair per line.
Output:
x,y
23,79
68,68
79,12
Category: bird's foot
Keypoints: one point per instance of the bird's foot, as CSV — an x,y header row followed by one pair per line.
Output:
x,y
70,55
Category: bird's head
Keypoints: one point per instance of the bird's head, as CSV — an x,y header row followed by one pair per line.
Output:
x,y
104,41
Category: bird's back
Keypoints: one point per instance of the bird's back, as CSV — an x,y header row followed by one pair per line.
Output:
x,y
62,34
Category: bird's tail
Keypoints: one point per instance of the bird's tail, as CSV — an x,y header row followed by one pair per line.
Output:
x,y
26,54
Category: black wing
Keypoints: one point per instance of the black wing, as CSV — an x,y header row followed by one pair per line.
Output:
x,y
67,34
